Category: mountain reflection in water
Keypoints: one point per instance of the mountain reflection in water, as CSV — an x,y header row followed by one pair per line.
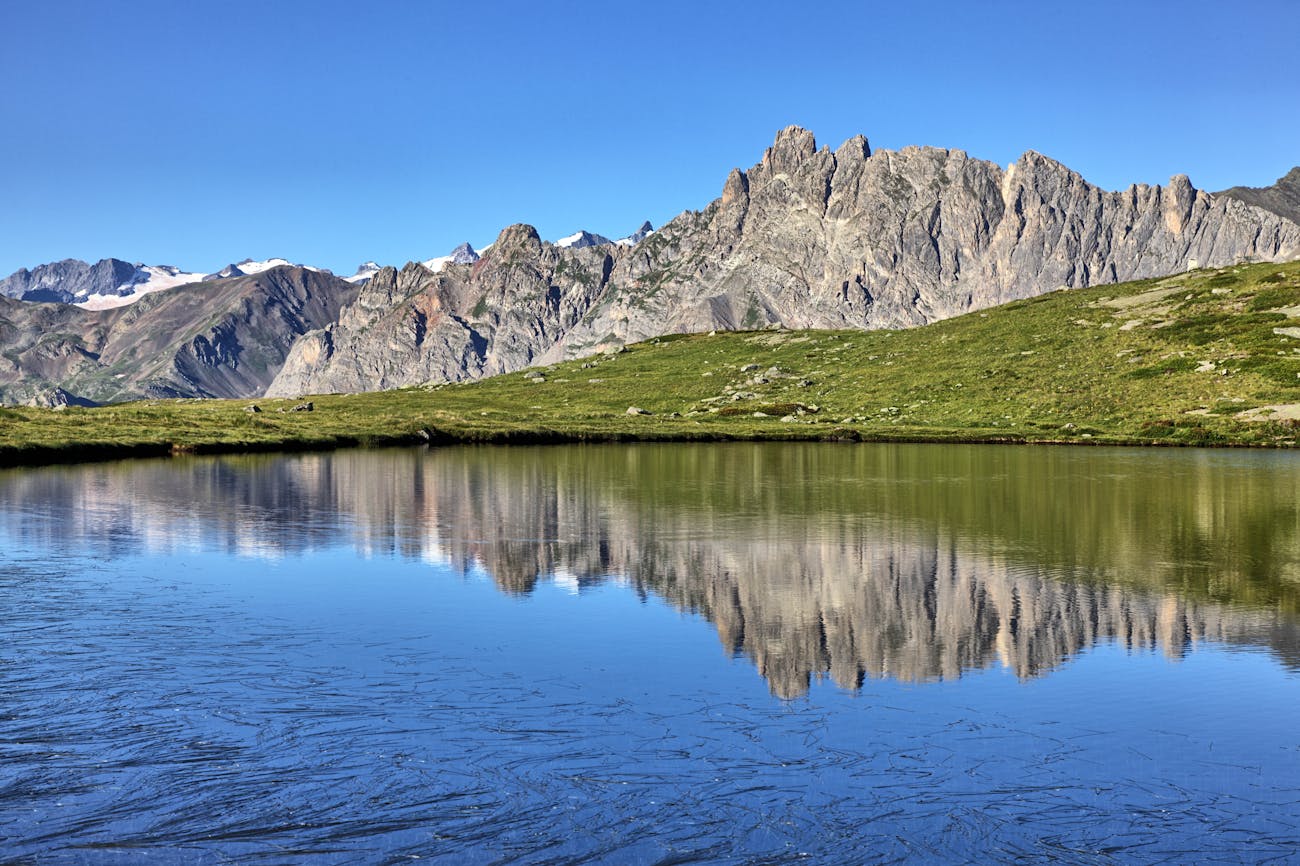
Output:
x,y
911,562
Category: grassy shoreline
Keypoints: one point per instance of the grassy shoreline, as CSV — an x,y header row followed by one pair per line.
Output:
x,y
92,452
1209,358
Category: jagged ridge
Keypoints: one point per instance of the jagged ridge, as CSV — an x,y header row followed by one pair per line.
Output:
x,y
806,238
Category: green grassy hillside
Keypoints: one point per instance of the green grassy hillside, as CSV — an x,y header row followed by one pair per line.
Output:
x,y
1209,357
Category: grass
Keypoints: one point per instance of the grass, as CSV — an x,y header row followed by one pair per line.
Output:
x,y
1194,359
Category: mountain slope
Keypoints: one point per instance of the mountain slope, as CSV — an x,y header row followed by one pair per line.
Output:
x,y
221,339
806,238
1282,198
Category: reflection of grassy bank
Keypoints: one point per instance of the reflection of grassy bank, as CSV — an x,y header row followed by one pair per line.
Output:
x,y
1202,358
1203,525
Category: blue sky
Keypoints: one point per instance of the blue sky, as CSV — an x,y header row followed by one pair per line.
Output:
x,y
328,132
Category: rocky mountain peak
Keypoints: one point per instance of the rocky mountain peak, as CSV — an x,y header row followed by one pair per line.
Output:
x,y
464,254
519,235
792,147
1035,162
855,149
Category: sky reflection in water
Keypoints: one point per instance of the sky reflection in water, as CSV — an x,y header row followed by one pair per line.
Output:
x,y
948,653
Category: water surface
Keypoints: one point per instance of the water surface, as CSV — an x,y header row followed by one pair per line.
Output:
x,y
654,654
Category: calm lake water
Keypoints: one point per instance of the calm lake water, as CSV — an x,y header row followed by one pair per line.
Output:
x,y
654,654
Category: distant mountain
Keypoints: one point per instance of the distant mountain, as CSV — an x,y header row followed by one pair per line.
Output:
x,y
461,255
226,338
1282,198
464,255
151,278
637,236
365,271
582,239
113,282
106,283
248,267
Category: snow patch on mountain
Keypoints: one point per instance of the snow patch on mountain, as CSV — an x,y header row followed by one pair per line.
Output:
x,y
148,279
581,239
248,267
365,271
637,236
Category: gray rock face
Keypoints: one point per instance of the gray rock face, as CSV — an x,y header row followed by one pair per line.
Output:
x,y
1282,198
71,280
463,321
224,339
806,238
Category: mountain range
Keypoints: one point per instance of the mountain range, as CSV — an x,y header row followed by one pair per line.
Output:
x,y
805,238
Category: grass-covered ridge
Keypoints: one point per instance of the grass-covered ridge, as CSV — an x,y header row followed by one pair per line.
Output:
x,y
1209,357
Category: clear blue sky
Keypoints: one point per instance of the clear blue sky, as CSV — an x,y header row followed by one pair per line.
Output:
x,y
332,132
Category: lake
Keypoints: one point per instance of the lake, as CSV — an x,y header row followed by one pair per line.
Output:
x,y
654,654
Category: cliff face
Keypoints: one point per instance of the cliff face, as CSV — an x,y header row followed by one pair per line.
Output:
x,y
222,339
805,238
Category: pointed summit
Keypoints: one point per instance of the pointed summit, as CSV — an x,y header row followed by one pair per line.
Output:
x,y
793,145
637,236
464,255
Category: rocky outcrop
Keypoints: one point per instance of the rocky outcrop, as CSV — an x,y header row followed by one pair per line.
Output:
x,y
1282,198
806,238
223,339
